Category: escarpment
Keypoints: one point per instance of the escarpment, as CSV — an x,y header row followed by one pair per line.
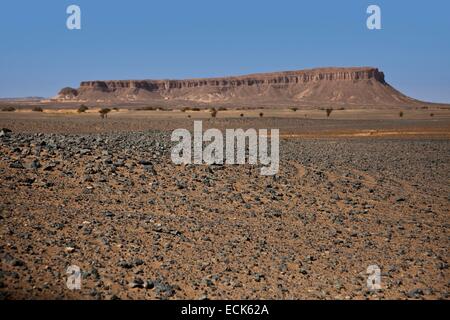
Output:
x,y
357,86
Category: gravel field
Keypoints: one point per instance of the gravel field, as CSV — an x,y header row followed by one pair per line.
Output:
x,y
139,226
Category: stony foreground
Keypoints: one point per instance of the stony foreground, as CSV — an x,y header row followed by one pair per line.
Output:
x,y
140,227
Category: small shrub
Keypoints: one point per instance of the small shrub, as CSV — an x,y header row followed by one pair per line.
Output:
x,y
329,111
241,114
147,109
104,112
293,108
213,112
8,109
190,109
115,109
223,109
261,114
189,115
400,114
82,108
431,114
37,109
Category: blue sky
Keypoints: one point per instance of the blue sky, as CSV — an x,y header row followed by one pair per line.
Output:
x,y
146,39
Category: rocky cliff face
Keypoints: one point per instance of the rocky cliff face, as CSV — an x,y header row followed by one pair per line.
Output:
x,y
360,85
289,77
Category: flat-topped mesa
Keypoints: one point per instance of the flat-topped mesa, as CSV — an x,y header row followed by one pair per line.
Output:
x,y
287,77
347,87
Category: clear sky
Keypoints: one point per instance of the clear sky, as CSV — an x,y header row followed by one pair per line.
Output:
x,y
147,39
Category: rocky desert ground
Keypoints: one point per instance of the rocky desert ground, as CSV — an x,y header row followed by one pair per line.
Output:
x,y
352,191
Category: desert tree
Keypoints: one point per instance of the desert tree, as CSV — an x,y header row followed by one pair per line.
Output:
x,y
147,108
328,111
37,109
104,112
82,108
8,109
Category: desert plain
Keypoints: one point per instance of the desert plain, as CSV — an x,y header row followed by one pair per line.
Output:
x,y
356,188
